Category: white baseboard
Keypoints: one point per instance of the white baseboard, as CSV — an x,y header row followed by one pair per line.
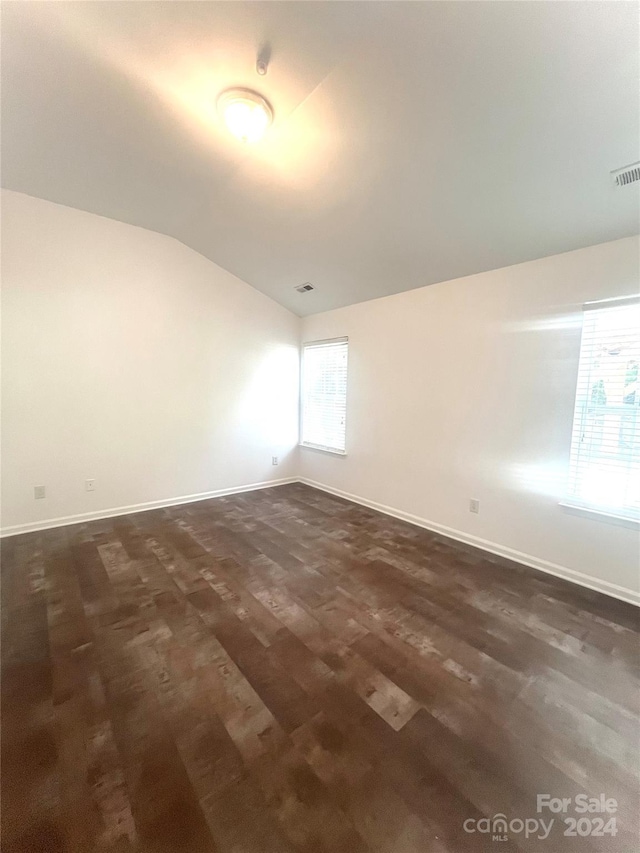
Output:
x,y
66,520
567,574
541,565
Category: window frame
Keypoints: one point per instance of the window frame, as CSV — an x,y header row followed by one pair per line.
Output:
x,y
307,444
621,515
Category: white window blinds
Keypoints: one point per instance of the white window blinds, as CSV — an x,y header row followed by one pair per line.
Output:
x,y
324,394
604,470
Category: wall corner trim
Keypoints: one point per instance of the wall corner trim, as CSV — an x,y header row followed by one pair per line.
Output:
x,y
614,590
64,521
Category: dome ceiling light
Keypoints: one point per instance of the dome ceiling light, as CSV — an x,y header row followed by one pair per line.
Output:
x,y
246,113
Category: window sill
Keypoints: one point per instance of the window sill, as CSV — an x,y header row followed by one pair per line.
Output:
x,y
600,515
319,449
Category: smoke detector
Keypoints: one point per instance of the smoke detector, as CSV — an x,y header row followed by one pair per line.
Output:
x,y
305,288
626,175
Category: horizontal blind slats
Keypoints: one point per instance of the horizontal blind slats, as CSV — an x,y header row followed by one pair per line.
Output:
x,y
604,468
324,394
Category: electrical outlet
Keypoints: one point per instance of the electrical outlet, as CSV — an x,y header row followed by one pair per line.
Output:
x,y
274,460
90,485
39,492
474,505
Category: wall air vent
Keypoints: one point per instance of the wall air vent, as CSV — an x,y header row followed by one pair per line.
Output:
x,y
626,175
305,288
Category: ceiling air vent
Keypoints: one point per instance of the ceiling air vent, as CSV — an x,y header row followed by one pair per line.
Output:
x,y
304,288
626,175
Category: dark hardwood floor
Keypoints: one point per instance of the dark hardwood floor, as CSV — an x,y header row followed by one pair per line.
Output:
x,y
285,671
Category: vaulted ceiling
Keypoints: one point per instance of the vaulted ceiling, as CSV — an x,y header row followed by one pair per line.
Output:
x,y
413,142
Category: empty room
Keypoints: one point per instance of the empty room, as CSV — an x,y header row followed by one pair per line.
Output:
x,y
320,498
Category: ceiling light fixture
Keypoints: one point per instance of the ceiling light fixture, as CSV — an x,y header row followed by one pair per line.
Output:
x,y
246,113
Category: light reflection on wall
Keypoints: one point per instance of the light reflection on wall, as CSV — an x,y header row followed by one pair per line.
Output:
x,y
548,474
270,401
541,478
566,320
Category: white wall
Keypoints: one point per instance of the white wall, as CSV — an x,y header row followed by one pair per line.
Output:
x,y
131,359
466,390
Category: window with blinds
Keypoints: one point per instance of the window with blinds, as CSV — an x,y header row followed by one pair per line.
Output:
x,y
604,472
324,394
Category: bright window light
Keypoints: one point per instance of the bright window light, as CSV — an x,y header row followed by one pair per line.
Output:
x,y
604,471
324,394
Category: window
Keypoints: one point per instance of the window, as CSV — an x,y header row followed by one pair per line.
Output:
x,y
604,472
324,394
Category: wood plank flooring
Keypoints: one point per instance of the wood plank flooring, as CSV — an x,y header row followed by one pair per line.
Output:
x,y
283,671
